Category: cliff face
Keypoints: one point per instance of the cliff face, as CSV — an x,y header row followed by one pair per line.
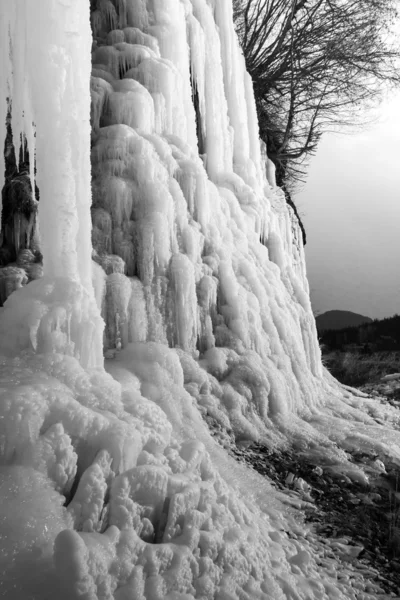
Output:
x,y
199,275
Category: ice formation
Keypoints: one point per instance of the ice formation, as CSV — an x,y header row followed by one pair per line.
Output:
x,y
112,486
58,132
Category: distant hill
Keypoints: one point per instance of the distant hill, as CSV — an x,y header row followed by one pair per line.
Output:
x,y
339,319
379,336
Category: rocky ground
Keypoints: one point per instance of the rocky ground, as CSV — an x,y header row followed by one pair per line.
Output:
x,y
356,526
388,387
349,524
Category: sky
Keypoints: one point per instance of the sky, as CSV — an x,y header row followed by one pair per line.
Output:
x,y
350,207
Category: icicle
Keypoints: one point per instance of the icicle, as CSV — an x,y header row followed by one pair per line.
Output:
x,y
5,79
102,229
136,36
109,17
123,246
99,71
7,17
131,55
115,36
100,91
160,76
208,72
138,326
137,15
117,300
117,199
108,57
185,301
271,173
131,104
112,264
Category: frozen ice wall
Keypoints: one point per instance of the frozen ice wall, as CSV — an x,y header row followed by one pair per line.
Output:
x,y
200,250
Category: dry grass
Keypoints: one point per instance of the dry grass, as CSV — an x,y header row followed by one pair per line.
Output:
x,y
352,368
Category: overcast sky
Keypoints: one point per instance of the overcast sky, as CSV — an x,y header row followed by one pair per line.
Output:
x,y
350,206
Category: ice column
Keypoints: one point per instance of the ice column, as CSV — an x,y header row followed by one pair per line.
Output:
x,y
46,53
49,45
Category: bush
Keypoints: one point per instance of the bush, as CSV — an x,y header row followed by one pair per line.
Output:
x,y
357,369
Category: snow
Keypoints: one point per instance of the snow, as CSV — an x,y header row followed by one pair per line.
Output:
x,y
113,486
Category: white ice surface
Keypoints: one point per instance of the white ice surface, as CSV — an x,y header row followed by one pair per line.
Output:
x,y
112,486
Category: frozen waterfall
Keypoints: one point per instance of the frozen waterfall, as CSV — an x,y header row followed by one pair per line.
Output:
x,y
182,261
50,106
187,226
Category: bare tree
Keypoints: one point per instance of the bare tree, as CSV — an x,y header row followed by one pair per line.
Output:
x,y
314,63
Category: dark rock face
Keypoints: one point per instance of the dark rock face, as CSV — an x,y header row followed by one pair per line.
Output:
x,y
20,257
18,227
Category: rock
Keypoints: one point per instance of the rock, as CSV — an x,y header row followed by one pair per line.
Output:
x,y
11,278
34,271
355,501
392,377
25,258
378,464
301,485
375,497
301,559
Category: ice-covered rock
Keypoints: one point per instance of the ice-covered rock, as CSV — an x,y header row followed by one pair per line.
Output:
x,y
11,278
392,377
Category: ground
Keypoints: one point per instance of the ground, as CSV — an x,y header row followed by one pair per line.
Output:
x,y
353,528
